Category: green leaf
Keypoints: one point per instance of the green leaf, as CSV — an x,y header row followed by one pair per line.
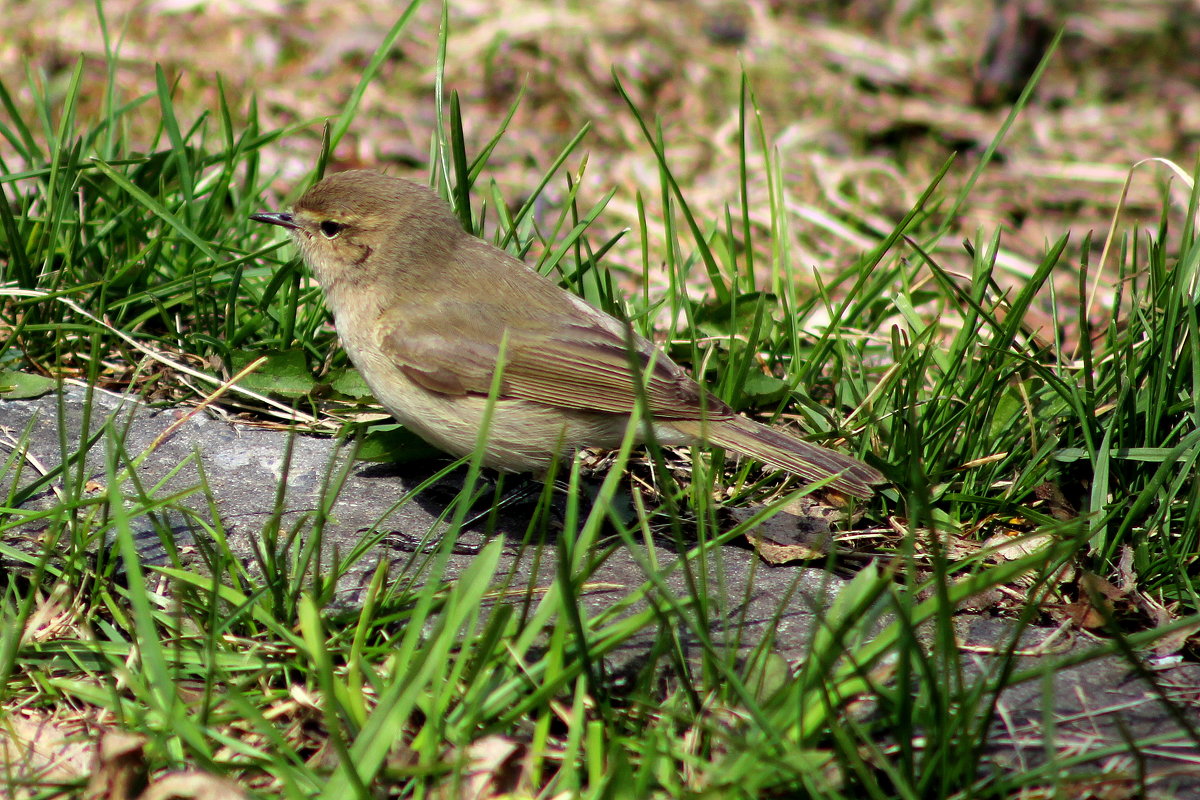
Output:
x,y
737,315
349,382
285,373
24,386
393,442
1009,408
761,389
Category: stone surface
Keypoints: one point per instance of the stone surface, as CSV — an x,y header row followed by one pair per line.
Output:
x,y
245,466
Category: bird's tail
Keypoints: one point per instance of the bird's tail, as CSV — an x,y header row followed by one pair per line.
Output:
x,y
779,450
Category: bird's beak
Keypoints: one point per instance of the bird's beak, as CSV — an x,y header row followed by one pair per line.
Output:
x,y
280,218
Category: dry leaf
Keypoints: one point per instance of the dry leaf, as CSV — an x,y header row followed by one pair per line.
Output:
x,y
1056,502
1012,545
1125,573
119,770
193,786
488,771
37,748
786,536
53,617
1096,604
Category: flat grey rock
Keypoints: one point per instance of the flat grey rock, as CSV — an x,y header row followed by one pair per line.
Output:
x,y
249,472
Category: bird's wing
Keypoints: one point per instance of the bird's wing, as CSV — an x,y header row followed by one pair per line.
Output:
x,y
583,364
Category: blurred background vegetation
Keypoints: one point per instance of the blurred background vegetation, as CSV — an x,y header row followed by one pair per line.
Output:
x,y
862,100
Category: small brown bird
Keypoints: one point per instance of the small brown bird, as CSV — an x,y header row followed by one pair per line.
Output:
x,y
423,309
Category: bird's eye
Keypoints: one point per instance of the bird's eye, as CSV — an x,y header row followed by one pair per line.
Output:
x,y
331,229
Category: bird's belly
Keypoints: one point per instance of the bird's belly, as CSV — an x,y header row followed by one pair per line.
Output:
x,y
522,436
